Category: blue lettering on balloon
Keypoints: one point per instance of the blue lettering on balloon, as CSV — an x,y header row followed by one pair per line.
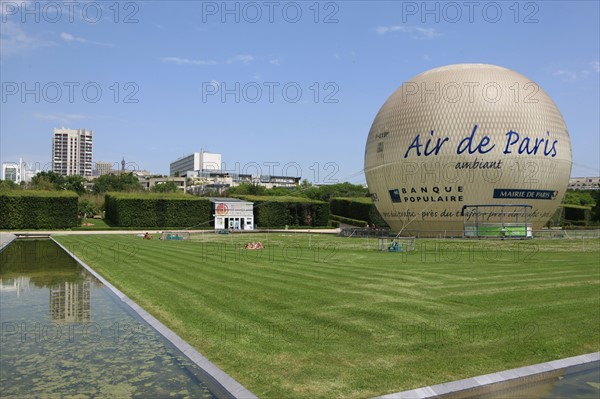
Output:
x,y
515,142
467,144
529,146
435,149
510,141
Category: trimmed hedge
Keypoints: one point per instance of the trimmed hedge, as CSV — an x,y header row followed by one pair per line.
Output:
x,y
29,209
358,208
156,210
351,222
275,211
577,215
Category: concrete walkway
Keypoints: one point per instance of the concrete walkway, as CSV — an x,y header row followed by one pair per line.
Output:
x,y
155,231
6,238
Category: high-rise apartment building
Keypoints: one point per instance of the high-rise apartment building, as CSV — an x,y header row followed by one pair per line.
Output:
x,y
72,152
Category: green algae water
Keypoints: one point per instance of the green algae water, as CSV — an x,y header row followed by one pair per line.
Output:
x,y
64,335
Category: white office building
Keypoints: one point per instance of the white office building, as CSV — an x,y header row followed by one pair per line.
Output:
x,y
198,161
18,171
11,171
72,152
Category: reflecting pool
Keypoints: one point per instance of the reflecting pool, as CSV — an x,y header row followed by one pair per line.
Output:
x,y
65,335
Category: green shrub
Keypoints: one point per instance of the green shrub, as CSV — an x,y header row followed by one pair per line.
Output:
x,y
157,210
357,208
29,209
351,222
272,211
576,215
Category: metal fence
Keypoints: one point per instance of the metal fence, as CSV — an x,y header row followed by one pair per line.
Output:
x,y
447,234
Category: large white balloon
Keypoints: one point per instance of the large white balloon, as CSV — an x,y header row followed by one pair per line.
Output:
x,y
467,134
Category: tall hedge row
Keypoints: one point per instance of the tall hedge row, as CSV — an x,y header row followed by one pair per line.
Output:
x,y
274,211
156,210
29,209
360,208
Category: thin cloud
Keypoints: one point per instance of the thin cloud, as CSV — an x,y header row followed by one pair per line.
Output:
x,y
245,58
416,32
562,73
67,37
275,61
572,76
62,118
595,66
14,40
187,61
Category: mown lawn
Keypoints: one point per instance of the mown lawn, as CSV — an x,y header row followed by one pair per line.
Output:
x,y
321,316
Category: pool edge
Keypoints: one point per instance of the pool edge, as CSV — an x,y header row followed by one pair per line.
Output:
x,y
434,391
227,382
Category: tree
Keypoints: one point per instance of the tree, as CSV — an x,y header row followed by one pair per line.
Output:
x,y
112,182
326,192
247,189
48,181
579,197
75,183
87,208
166,187
8,185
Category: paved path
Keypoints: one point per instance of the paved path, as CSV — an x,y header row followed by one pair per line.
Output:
x,y
6,238
154,231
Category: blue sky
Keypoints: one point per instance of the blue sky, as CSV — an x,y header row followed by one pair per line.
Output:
x,y
162,67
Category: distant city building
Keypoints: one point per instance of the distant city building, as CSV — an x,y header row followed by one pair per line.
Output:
x,y
18,171
278,181
11,171
584,183
203,182
148,182
103,168
72,152
197,161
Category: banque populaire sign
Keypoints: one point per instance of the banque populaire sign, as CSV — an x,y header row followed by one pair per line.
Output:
x,y
467,134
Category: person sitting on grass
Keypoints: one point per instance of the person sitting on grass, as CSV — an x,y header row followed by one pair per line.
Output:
x,y
254,245
147,236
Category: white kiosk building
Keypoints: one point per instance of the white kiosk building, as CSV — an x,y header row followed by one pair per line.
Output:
x,y
233,214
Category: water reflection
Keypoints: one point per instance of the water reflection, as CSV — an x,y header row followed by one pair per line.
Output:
x,y
65,335
45,265
70,302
